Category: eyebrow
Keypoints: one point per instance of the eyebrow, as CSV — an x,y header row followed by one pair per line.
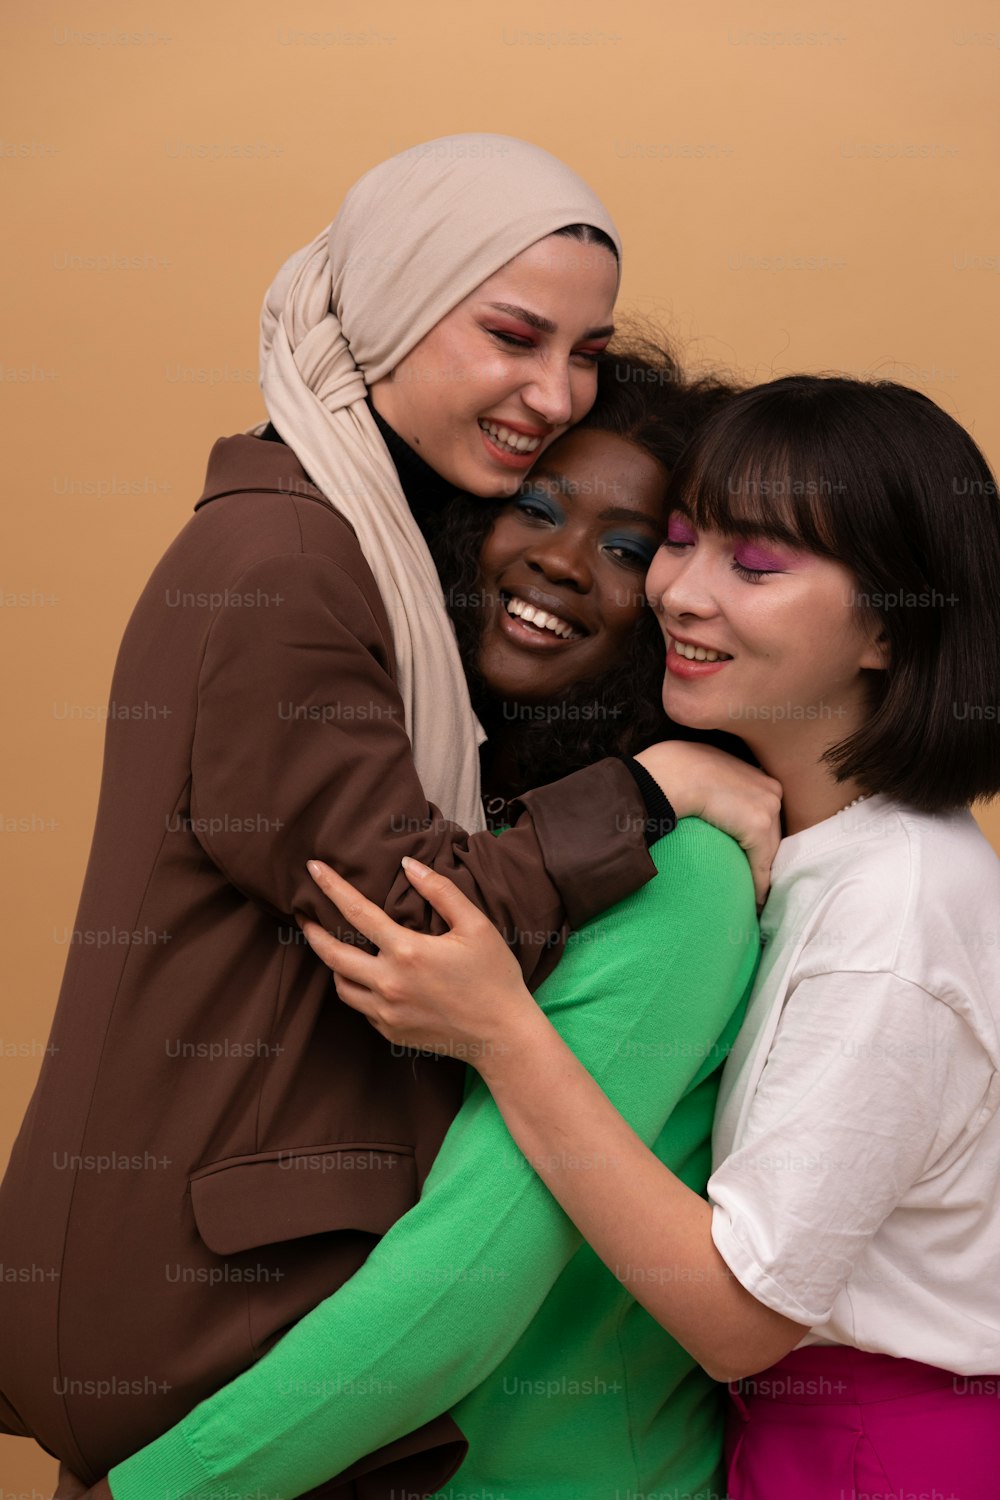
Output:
x,y
545,325
625,513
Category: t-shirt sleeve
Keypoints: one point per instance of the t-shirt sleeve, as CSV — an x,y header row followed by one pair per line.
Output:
x,y
869,1081
301,751
641,996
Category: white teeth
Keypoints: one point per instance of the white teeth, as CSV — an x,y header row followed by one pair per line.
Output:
x,y
697,653
517,442
538,617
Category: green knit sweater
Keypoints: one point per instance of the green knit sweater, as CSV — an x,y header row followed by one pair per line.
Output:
x,y
482,1298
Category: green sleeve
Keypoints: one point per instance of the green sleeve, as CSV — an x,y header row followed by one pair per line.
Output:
x,y
641,995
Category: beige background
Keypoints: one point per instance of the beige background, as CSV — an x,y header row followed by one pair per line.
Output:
x,y
798,185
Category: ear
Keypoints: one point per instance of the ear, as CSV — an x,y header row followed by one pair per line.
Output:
x,y
875,654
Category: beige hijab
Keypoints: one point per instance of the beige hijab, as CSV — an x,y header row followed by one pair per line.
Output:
x,y
412,239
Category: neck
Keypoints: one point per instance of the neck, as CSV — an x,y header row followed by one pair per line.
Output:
x,y
811,795
426,492
810,792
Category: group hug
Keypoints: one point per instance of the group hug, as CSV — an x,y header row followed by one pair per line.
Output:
x,y
557,1056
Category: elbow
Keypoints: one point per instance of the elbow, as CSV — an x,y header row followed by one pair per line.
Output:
x,y
739,1359
735,1354
723,1356
728,1371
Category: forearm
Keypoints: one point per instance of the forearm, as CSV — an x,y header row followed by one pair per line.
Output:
x,y
438,1304
307,778
450,1288
648,1227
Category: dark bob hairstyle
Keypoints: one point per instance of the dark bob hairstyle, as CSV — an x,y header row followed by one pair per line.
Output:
x,y
879,478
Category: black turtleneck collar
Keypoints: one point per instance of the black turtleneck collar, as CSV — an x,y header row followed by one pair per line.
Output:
x,y
426,492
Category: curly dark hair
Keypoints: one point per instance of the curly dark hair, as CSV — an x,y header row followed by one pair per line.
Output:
x,y
643,397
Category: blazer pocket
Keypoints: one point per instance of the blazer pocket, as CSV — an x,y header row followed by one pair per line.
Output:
x,y
246,1201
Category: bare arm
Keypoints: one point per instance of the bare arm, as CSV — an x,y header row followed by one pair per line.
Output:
x,y
462,994
650,1230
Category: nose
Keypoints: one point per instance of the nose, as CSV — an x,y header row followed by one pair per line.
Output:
x,y
550,392
679,583
561,558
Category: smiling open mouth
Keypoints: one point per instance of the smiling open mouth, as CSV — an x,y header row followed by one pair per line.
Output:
x,y
540,619
697,653
514,442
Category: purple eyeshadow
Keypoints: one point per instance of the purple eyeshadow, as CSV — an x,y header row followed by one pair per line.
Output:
x,y
759,561
680,530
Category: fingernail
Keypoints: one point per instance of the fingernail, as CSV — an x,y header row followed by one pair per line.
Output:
x,y
414,867
315,867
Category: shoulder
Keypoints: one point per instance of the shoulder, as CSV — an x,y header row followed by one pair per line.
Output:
x,y
916,895
902,867
260,513
700,862
701,901
679,953
262,488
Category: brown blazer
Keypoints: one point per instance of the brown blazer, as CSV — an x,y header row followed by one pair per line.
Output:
x,y
215,1142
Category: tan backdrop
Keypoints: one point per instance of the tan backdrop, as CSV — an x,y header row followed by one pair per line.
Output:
x,y
799,186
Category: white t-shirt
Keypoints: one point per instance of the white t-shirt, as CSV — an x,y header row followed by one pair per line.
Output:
x,y
857,1136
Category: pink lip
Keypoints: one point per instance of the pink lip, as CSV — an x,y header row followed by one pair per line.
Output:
x,y
504,456
679,666
686,641
519,427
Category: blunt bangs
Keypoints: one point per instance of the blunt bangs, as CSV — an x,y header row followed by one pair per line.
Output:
x,y
762,468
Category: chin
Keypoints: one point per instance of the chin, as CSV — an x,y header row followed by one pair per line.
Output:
x,y
523,694
497,486
677,715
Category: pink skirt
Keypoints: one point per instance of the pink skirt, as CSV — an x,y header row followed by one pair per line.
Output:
x,y
841,1424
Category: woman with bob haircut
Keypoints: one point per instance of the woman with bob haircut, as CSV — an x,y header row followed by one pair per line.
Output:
x,y
830,588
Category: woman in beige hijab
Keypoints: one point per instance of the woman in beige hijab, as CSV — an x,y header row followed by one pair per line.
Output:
x,y
380,301
444,327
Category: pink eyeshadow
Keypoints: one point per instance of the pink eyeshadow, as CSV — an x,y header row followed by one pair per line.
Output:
x,y
756,558
680,530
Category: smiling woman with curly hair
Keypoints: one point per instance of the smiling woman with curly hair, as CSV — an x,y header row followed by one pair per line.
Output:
x,y
540,723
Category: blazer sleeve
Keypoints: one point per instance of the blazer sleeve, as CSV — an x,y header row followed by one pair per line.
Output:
x,y
642,996
300,751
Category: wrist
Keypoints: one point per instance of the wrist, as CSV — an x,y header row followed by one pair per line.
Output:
x,y
666,763
512,1045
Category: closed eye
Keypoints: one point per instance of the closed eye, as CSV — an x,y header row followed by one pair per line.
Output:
x,y
510,339
752,575
767,566
515,341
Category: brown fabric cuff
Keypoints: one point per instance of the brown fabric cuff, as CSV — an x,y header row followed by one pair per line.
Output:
x,y
591,828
